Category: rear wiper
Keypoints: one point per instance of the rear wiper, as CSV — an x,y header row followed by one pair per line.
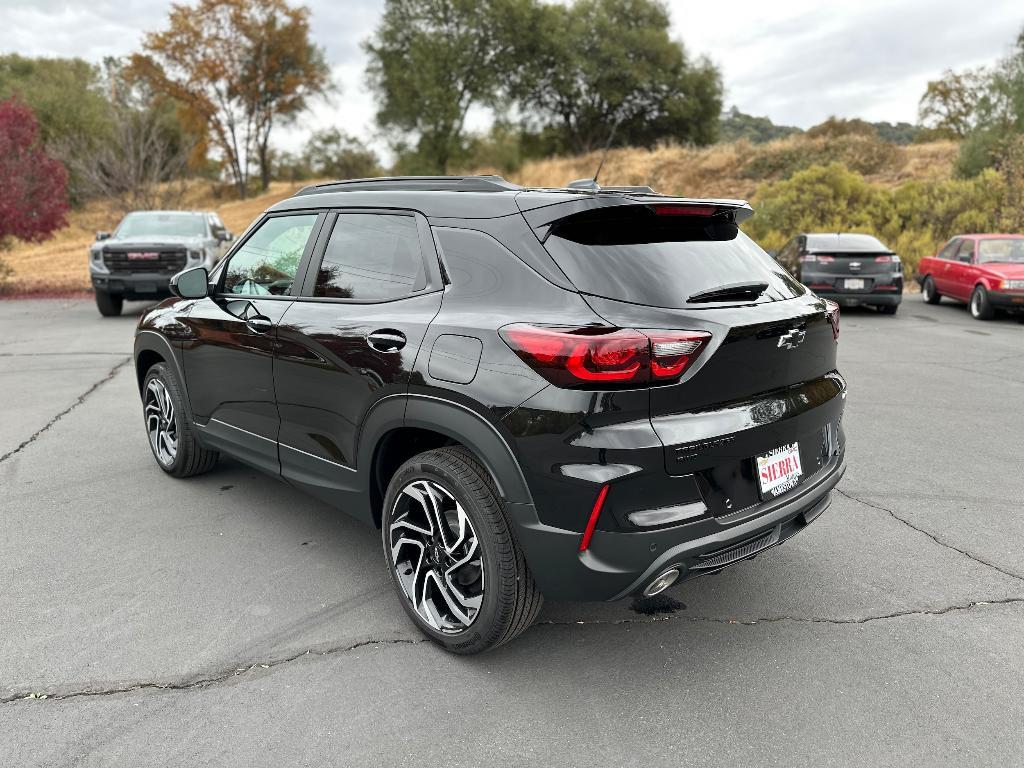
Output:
x,y
730,292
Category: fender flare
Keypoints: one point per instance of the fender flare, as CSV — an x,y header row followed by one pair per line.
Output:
x,y
147,340
459,422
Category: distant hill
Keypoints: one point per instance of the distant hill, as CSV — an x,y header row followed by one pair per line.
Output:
x,y
734,125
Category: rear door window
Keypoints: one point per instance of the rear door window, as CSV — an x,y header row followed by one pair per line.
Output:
x,y
639,256
371,257
950,249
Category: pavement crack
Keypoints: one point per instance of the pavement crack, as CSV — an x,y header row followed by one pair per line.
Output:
x,y
81,399
200,681
796,619
976,558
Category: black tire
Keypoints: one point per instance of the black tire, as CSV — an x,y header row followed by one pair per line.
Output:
x,y
889,309
928,291
510,598
109,304
981,308
189,458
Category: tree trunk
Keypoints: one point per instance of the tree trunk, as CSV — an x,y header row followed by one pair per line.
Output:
x,y
264,167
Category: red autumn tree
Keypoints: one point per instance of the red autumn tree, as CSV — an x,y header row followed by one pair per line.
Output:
x,y
33,186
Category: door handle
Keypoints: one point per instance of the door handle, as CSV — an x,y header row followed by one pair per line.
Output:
x,y
259,324
386,340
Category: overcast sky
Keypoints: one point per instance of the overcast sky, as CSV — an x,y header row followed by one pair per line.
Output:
x,y
796,61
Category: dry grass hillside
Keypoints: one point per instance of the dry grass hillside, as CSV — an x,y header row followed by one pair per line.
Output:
x,y
724,170
59,265
736,170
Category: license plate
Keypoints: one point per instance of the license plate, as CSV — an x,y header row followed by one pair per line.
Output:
x,y
854,284
779,470
145,287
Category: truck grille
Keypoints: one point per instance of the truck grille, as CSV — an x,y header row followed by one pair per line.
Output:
x,y
157,262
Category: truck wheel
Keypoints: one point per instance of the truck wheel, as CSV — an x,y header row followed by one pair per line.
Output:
x,y
454,560
928,292
171,436
109,304
981,307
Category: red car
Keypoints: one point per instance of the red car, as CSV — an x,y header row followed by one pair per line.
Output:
x,y
986,271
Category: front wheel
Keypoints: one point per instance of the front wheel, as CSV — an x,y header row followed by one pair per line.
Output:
x,y
981,307
454,560
109,304
928,292
171,435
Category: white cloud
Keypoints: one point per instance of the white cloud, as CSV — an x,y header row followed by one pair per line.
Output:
x,y
797,61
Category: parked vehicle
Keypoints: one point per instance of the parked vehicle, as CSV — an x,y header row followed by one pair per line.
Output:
x,y
138,260
986,271
522,388
847,268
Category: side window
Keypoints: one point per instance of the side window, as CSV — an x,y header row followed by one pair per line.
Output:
x,y
966,251
950,250
371,257
269,259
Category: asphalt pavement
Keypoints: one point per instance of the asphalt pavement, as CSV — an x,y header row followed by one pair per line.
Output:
x,y
230,620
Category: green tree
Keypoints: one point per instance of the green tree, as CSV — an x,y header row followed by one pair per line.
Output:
x,y
948,108
597,62
334,154
430,61
734,125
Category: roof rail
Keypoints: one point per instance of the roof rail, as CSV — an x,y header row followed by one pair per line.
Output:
x,y
415,184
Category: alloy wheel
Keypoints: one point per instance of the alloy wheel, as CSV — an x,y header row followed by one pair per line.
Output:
x,y
976,304
160,424
436,556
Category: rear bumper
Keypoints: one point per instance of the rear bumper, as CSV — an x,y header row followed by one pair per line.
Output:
x,y
127,284
888,299
619,564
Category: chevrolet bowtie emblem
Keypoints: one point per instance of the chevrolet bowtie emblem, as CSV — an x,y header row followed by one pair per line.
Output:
x,y
792,339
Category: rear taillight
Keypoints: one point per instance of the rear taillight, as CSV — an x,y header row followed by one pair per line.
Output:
x,y
811,257
892,257
684,210
579,357
832,315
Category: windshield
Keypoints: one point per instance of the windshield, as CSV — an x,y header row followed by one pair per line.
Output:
x,y
1005,249
156,224
638,256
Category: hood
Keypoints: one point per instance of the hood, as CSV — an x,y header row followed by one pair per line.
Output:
x,y
192,241
1005,271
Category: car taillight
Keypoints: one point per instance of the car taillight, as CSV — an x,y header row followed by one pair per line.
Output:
x,y
578,357
893,258
809,257
684,210
832,315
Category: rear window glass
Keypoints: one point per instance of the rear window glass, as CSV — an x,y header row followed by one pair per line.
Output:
x,y
851,241
663,261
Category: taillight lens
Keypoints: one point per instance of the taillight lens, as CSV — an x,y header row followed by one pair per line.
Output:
x,y
832,315
891,258
684,210
580,357
821,259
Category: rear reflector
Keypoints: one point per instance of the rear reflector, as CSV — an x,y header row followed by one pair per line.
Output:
x,y
595,513
576,357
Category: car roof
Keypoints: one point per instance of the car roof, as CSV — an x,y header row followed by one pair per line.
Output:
x,y
843,241
474,197
989,236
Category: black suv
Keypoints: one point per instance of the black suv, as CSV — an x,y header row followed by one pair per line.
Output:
x,y
587,395
848,268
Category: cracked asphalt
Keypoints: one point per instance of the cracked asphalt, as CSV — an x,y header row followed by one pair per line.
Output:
x,y
229,620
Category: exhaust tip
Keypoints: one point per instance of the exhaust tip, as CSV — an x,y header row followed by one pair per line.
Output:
x,y
662,582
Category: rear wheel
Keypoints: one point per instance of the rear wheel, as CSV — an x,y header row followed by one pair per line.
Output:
x,y
455,562
981,307
928,292
109,304
171,435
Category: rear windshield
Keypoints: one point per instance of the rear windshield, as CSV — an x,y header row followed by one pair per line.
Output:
x,y
845,242
663,261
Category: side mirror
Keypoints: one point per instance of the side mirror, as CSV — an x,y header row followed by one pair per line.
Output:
x,y
191,283
102,236
224,236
